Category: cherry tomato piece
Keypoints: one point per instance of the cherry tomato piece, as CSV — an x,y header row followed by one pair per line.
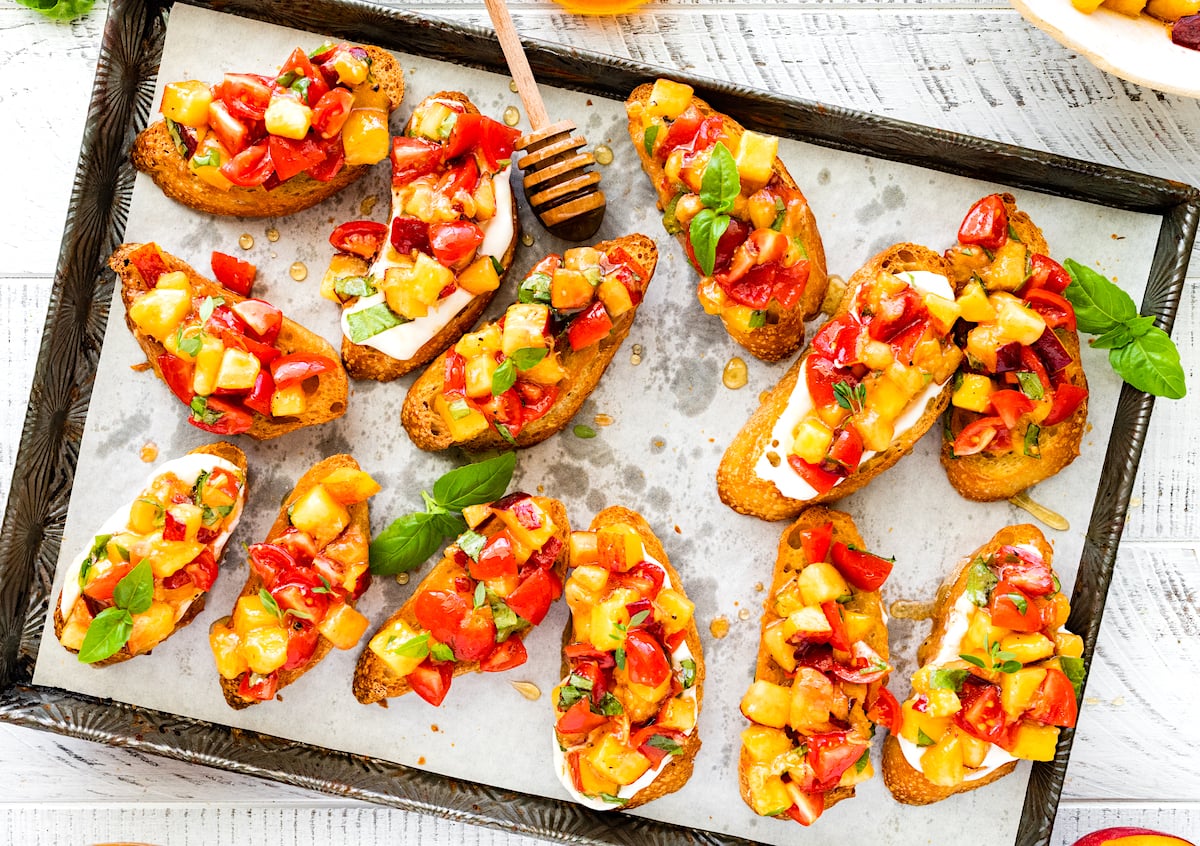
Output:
x,y
1046,273
980,435
149,262
815,542
817,478
331,111
476,635
413,157
986,224
296,367
579,719
533,596
362,238
496,559
884,710
1010,405
1054,308
177,373
981,715
249,168
1012,609
262,688
1054,703
233,273
454,243
591,326
864,570
1065,401
431,681
302,642
441,612
646,661
101,583
291,157
222,418
505,656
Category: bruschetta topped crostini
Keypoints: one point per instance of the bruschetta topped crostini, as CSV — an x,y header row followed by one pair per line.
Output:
x,y
147,571
238,364
998,676
746,226
874,379
266,146
298,600
819,688
626,710
1019,407
471,614
410,288
518,380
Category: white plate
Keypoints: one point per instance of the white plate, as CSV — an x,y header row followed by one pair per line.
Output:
x,y
1137,49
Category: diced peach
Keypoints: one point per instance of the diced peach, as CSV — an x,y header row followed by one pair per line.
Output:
x,y
265,648
1018,322
942,763
159,312
617,762
679,713
974,305
974,750
480,276
808,622
1034,743
615,296
343,626
812,439
249,613
208,365
167,557
756,160
858,626
675,610
590,577
609,619
1070,645
974,393
391,638
1027,647
477,374
349,485
463,421
287,117
619,546
775,641
570,289
75,630
594,783
476,514
548,371
768,794
1017,689
1007,269
351,70
187,102
583,548
764,743
319,514
289,402
238,370
767,704
525,327
175,280
145,515
820,582
915,723
151,627
812,700
191,516
226,650
668,99
534,538
485,341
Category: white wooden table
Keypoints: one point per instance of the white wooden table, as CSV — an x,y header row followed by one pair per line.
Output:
x,y
966,65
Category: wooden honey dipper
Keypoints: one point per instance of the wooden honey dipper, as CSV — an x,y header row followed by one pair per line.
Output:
x,y
562,191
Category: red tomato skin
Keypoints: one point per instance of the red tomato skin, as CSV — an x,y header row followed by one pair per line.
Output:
x,y
233,273
149,262
331,111
441,612
820,480
177,373
230,131
410,233
864,570
496,559
979,434
830,754
816,542
232,420
647,662
1054,308
454,374
579,719
262,320
1010,405
838,636
262,689
590,327
1007,615
1067,399
296,367
1047,274
454,243
464,135
362,238
476,635
533,597
291,157
302,642
431,681
885,711
413,157
203,570
100,588
505,656
986,224
981,715
1025,569
536,400
846,450
331,165
1054,703
270,561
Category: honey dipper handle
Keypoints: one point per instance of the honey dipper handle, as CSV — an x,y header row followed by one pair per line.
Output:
x,y
514,54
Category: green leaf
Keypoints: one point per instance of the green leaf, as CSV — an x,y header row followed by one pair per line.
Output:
x,y
670,221
209,306
442,652
480,594
1010,666
639,618
1031,385
581,682
688,673
108,632
780,216
1073,669
135,591
1099,304
1018,601
506,620
353,286
980,581
60,10
503,432
611,799
99,546
325,587
458,408
619,657
1033,446
406,544
583,431
649,138
475,484
610,706
414,647
1118,336
758,319
527,357
666,744
720,184
535,288
504,377
705,231
850,397
971,659
200,412
568,695
863,760
1150,363
923,739
948,679
471,543
190,345
370,321
269,603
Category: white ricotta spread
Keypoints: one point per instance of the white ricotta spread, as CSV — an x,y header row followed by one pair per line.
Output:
x,y
996,757
786,480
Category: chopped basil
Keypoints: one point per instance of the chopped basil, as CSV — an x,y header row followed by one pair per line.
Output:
x,y
1033,447
99,545
506,620
369,322
799,243
980,581
666,744
947,679
1073,669
619,657
1031,385
639,618
610,706
504,377
190,346
325,587
122,551
583,431
211,158
649,137
535,288
200,412
472,544
300,86
581,682
1018,601
286,80
568,695
209,306
212,515
864,760
480,595
497,266
354,286
923,739
688,672
413,647
442,652
528,357
176,137
458,408
670,221
269,603
503,432
611,799
780,214
758,319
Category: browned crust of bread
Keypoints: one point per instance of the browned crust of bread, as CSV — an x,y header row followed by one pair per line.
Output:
x,y
907,784
584,369
220,449
775,341
326,402
744,491
364,362
679,769
986,478
373,680
154,153
359,516
791,560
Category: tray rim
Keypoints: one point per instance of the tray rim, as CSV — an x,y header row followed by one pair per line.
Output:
x,y
74,330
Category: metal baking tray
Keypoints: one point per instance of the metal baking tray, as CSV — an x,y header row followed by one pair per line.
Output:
x,y
60,398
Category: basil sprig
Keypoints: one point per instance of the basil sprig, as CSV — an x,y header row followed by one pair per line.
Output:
x,y
60,10
411,539
719,188
110,629
1140,353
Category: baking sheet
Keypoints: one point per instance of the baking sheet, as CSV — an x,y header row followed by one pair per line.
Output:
x,y
672,420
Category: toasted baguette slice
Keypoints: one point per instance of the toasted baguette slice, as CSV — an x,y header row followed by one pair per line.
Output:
x,y
429,430
356,535
156,154
740,486
326,400
863,617
783,332
681,696
911,785
374,679
986,476
364,361
187,603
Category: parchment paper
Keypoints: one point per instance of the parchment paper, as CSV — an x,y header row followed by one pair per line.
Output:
x,y
672,419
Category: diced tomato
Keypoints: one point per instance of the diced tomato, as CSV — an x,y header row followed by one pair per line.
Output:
x,y
173,530
839,638
1054,703
867,666
808,806
618,258
505,409
536,399
302,642
265,353
986,224
1047,274
496,559
270,561
646,577
846,450
410,233
331,111
262,688
884,710
331,165
981,434
496,142
442,612
820,480
579,651
815,542
465,134
547,265
476,635
1012,608
579,719
291,157
531,600
1065,399
230,419
149,262
830,754
733,237
299,545
544,558
837,341
360,237
1024,568
1033,364
680,131
462,179
981,715
645,659
231,132
1010,405
593,671
246,95
1054,308
454,243
820,375
249,168
641,741
505,656
202,570
100,584
296,367
431,681
413,157
296,591
899,319
790,283
177,373
262,320
864,570
591,326
233,273
753,288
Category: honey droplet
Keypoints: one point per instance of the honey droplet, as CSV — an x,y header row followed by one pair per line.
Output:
x,y
512,116
744,614
149,452
602,420
833,294
758,586
298,271
735,374
246,241
528,689
402,578
367,205
911,609
1051,518
527,240
603,154
272,234
512,86
762,396
719,627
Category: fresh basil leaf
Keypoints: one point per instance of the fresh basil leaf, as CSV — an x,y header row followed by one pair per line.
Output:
x,y
980,581
504,377
480,595
666,744
471,543
209,306
450,524
200,412
610,706
535,288
211,158
863,760
300,86
135,591
370,321
670,221
406,544
583,431
1150,363
1031,385
458,408
475,484
285,80
414,647
947,679
971,659
611,799
720,184
687,672
269,603
1099,304
568,695
506,620
619,657
442,652
581,682
780,216
1073,669
923,739
705,231
98,550
503,432
639,618
190,345
496,265
1018,601
1118,336
649,137
353,286
60,10
758,319
527,357
107,633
